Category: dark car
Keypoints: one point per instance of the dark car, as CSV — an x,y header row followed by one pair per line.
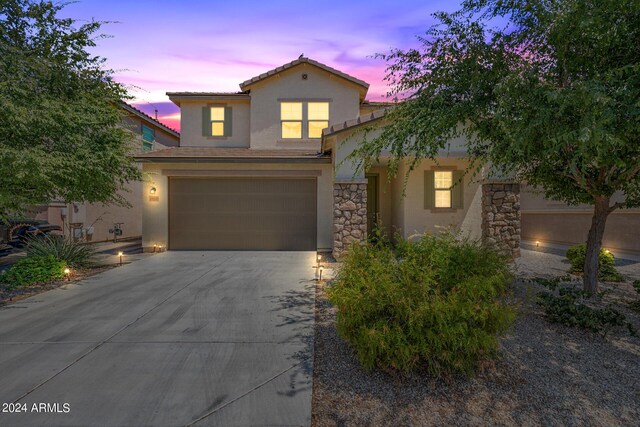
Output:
x,y
15,232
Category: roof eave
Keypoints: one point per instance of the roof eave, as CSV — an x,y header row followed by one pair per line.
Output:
x,y
272,73
201,159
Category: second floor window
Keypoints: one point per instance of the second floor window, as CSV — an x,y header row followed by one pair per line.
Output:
x,y
301,120
217,121
291,118
318,113
148,137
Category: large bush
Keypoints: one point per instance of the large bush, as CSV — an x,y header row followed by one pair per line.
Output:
x,y
33,269
74,254
436,304
606,262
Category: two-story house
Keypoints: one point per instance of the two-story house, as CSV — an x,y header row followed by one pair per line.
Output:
x,y
262,169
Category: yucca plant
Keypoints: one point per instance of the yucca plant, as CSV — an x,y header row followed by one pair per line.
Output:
x,y
74,254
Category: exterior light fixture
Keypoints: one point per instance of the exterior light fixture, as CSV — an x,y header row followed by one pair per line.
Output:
x,y
152,190
120,254
155,247
320,272
607,251
67,272
537,244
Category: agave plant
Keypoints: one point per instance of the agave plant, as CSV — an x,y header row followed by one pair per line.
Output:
x,y
74,254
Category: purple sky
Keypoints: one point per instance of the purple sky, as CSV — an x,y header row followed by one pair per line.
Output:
x,y
161,46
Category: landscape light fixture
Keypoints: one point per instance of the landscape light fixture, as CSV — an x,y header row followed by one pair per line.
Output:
x,y
67,272
120,254
152,190
537,243
320,272
155,247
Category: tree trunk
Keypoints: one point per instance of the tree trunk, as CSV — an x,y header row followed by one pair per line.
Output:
x,y
594,243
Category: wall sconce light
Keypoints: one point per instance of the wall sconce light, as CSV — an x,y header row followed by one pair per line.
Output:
x,y
152,190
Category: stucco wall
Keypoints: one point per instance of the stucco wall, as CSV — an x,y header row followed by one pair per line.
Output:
x,y
155,213
417,219
191,124
265,106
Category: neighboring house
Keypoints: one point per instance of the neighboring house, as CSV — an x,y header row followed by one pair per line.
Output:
x,y
265,169
555,223
93,221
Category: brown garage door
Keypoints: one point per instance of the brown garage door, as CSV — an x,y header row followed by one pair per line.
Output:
x,y
242,214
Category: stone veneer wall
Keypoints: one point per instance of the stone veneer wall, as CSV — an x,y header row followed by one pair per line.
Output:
x,y
501,216
349,214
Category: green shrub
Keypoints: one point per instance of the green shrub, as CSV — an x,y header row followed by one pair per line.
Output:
x,y
33,269
606,262
74,254
435,304
567,305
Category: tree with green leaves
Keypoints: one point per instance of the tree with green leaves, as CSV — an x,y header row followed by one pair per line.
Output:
x,y
546,90
60,121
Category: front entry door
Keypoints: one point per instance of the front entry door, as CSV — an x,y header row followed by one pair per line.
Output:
x,y
372,203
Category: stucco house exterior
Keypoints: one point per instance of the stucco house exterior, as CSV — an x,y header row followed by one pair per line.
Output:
x,y
264,169
93,221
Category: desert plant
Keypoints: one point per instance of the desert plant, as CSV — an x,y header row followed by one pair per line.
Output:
x,y
435,303
33,269
607,263
74,254
570,306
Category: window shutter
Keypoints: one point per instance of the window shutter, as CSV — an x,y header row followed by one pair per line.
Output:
x,y
206,121
429,190
228,124
457,192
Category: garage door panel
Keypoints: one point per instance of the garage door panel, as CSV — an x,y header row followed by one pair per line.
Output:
x,y
237,214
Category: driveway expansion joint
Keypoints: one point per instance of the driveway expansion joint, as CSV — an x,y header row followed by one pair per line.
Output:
x,y
242,395
101,343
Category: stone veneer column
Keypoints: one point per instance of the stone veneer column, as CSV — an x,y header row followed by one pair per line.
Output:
x,y
349,214
501,216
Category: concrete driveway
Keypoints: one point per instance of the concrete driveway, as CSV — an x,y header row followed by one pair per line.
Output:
x,y
209,338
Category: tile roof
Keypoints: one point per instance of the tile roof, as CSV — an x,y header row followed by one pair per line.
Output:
x,y
208,93
349,124
149,119
303,60
187,153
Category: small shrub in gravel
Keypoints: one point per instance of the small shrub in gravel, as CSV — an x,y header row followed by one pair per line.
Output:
x,y
436,304
33,269
606,263
570,306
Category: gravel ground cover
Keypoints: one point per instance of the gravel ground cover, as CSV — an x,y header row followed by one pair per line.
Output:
x,y
547,374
